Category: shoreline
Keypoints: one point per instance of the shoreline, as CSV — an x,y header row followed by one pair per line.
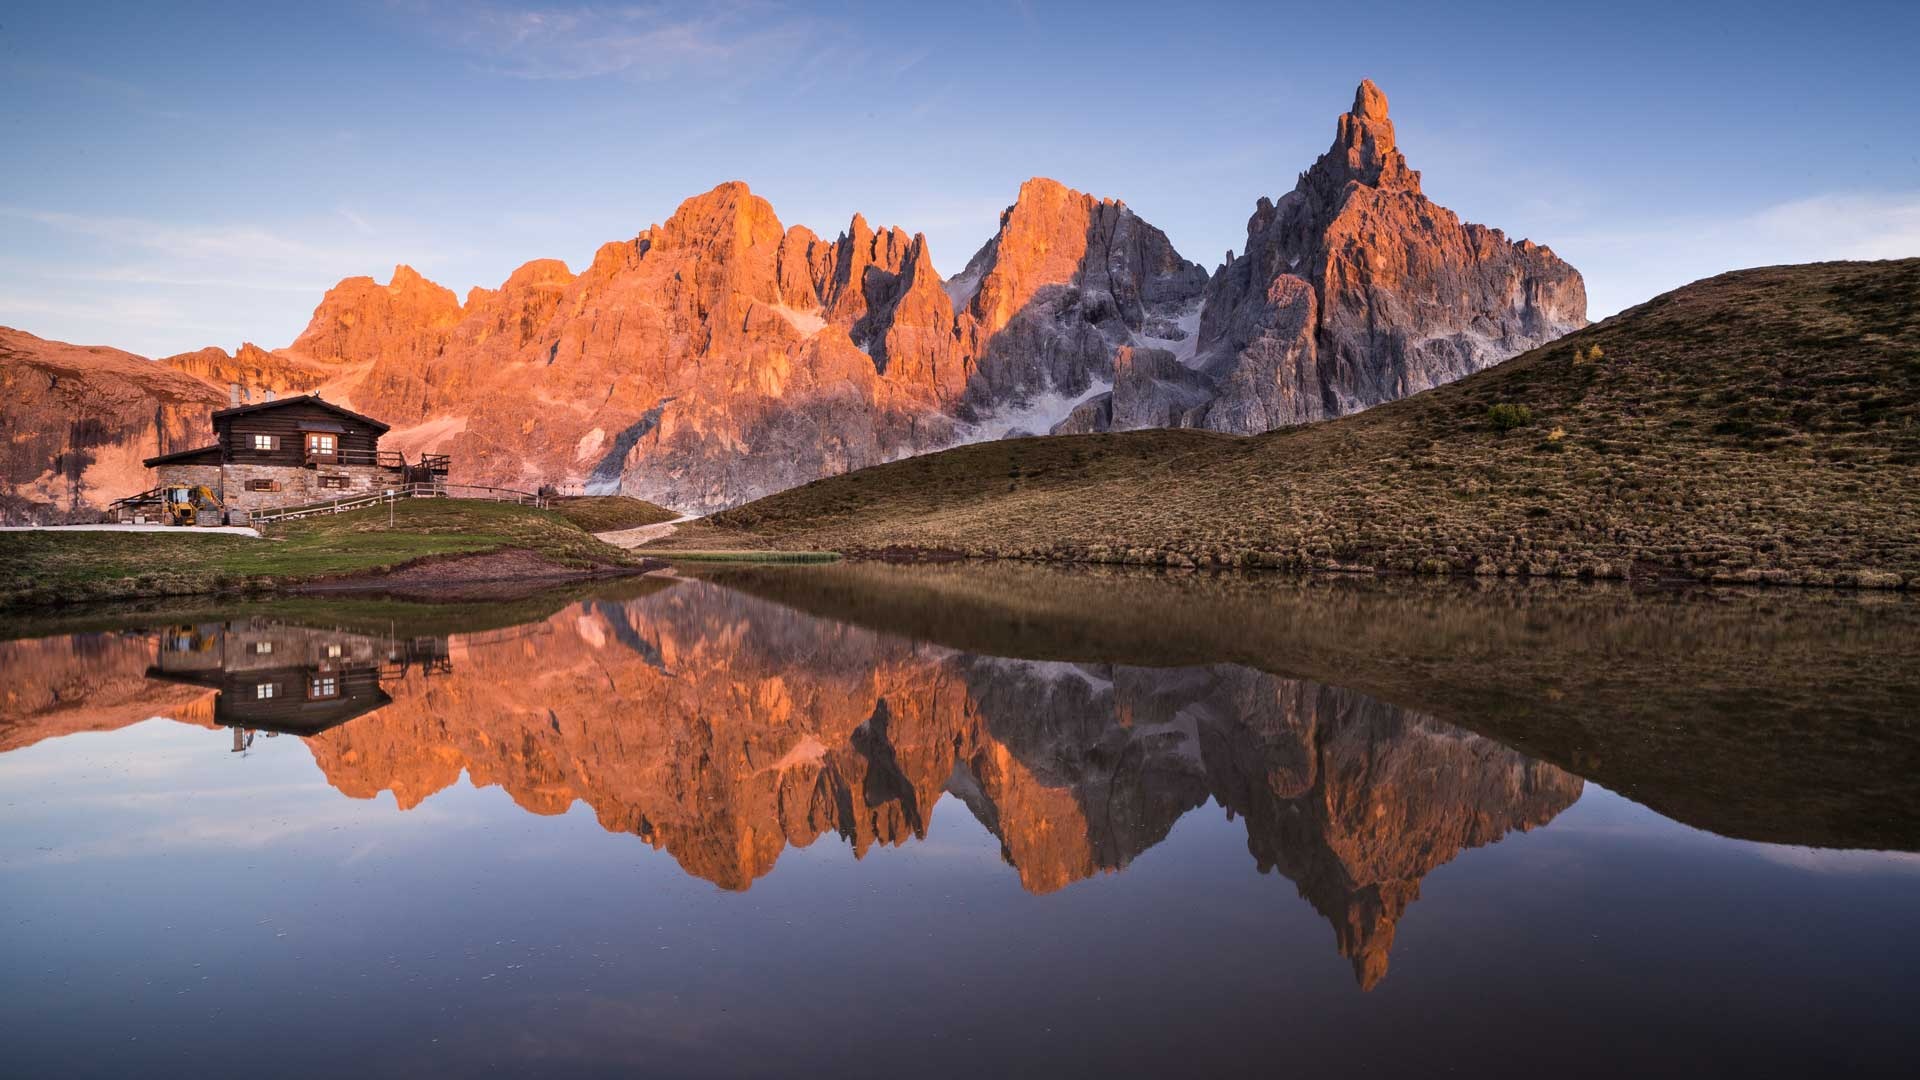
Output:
x,y
1641,575
501,573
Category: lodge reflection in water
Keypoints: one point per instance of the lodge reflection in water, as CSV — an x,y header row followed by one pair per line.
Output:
x,y
722,728
283,679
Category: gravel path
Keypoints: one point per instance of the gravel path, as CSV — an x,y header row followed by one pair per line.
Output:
x,y
633,538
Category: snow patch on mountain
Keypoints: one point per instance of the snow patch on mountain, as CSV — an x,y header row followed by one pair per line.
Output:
x,y
1037,414
808,323
962,286
1181,334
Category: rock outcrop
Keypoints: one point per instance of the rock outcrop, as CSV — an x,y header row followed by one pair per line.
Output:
x,y
722,356
251,366
1356,289
1046,305
78,421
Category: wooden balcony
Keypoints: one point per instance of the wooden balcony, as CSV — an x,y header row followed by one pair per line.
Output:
x,y
385,459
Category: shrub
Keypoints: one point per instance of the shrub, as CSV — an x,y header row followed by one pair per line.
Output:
x,y
1505,417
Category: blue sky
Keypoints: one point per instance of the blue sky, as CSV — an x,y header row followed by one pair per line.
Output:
x,y
180,175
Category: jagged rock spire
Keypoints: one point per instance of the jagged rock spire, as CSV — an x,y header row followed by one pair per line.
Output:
x,y
1363,150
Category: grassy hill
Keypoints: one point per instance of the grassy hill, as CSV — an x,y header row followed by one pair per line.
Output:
x,y
1756,426
48,567
610,513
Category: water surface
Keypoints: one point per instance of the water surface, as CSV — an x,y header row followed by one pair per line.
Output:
x,y
950,821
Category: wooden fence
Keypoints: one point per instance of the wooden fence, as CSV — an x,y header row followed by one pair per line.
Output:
x,y
395,494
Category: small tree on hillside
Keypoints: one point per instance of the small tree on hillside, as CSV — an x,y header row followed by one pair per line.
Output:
x,y
1505,417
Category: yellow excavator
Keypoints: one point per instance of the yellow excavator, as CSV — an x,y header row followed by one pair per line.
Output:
x,y
180,504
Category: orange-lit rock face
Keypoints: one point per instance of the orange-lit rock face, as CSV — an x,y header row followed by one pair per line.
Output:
x,y
78,422
713,357
251,366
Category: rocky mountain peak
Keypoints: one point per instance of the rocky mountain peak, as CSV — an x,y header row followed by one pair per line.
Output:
x,y
1043,240
539,274
1353,289
729,216
1363,151
1369,102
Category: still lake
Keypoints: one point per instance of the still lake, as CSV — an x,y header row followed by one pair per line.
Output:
x,y
954,820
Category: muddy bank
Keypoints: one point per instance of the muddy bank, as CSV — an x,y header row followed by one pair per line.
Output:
x,y
507,573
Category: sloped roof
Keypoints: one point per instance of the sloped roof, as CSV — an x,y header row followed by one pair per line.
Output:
x,y
303,399
186,457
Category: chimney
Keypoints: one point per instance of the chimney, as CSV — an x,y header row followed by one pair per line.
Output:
x,y
266,395
233,395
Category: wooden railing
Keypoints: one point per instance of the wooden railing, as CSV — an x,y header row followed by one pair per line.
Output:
x,y
385,459
395,494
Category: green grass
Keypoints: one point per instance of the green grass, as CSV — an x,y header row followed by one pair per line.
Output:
x,y
358,612
1758,427
50,567
610,513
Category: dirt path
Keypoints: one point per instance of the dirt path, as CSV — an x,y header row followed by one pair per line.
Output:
x,y
633,538
455,576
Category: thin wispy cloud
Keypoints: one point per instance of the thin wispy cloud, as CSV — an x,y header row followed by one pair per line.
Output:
x,y
1848,226
650,41
68,78
190,241
360,224
158,287
1626,266
161,276
1841,225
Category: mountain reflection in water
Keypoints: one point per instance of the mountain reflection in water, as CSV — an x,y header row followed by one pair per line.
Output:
x,y
722,728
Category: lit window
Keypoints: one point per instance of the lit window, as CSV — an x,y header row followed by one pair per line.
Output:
x,y
333,651
263,442
263,691
324,686
263,646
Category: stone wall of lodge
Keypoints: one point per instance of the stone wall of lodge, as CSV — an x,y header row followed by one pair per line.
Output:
x,y
286,485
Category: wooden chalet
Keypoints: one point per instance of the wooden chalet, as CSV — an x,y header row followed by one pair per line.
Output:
x,y
289,452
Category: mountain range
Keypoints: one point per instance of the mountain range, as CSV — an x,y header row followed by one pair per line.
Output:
x,y
722,356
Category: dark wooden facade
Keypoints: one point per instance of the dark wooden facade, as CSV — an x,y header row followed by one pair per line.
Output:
x,y
288,452
290,700
296,432
290,679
